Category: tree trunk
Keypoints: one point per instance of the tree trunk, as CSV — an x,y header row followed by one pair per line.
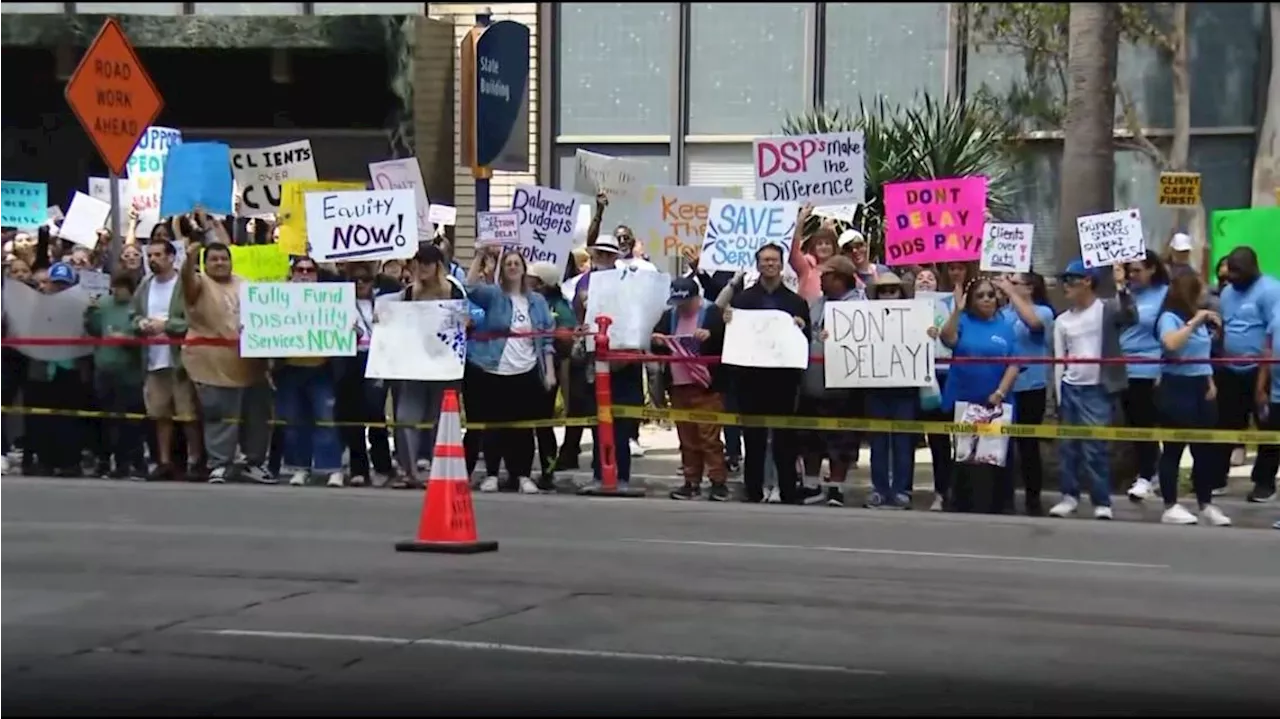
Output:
x,y
1266,163
1189,220
1088,159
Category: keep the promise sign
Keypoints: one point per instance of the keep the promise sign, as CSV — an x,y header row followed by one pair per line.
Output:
x,y
878,343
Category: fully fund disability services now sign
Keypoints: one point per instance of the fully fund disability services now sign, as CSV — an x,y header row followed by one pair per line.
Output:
x,y
113,96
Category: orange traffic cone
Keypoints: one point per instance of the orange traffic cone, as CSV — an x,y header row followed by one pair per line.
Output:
x,y
448,521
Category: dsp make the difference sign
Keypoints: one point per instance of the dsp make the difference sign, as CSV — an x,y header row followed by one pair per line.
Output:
x,y
737,229
361,225
1111,238
297,319
823,169
878,343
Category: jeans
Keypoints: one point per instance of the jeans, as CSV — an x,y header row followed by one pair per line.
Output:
x,y
893,454
306,396
1085,406
1235,407
627,385
1182,404
124,437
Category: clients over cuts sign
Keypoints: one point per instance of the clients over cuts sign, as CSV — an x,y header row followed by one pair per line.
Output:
x,y
113,96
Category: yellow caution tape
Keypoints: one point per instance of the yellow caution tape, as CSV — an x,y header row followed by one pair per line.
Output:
x,y
93,414
1040,431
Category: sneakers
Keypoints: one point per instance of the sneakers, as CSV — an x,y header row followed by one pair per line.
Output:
x,y
336,480
937,505
257,475
812,495
218,475
1237,457
1219,491
685,492
1177,514
1140,490
1259,496
528,487
162,473
636,449
874,501
902,501
4,465
1212,516
1065,507
489,485
423,465
719,493
835,497
357,480
772,495
299,479
1102,513
733,464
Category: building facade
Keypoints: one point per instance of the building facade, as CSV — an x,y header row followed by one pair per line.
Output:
x,y
684,87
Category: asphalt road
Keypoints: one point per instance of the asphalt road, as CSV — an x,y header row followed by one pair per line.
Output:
x,y
230,601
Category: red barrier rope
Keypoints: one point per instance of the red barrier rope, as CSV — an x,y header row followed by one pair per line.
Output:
x,y
563,334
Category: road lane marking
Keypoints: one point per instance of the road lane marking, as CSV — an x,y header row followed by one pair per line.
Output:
x,y
546,651
904,553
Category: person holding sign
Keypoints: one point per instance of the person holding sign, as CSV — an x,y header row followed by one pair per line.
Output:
x,y
1030,315
1089,329
1187,399
808,253
1149,284
770,390
976,329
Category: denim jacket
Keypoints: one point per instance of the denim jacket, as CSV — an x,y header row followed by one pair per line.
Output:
x,y
486,354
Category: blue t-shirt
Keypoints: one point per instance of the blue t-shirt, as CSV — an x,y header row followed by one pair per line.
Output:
x,y
1139,338
1197,347
974,382
1245,318
1274,331
1030,343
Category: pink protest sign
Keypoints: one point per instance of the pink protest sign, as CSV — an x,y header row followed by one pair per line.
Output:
x,y
934,220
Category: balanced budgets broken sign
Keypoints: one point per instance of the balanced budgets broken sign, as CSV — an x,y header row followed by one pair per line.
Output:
x,y
359,226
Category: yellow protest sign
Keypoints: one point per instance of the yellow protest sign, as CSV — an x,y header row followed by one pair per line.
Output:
x,y
258,263
672,220
1179,189
293,211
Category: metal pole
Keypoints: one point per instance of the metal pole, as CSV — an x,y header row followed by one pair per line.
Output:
x,y
117,241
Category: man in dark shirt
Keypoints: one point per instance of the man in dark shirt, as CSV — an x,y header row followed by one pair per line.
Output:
x,y
770,390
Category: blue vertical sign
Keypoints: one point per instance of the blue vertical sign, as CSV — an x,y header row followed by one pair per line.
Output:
x,y
502,97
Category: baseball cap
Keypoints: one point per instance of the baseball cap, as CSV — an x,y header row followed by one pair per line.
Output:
x,y
1077,269
1181,242
62,273
851,236
606,243
546,272
682,289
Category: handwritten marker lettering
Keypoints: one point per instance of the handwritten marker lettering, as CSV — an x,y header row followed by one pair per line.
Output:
x,y
825,169
361,225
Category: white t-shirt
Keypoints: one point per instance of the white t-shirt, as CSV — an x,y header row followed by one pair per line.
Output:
x,y
519,355
158,299
364,317
1078,333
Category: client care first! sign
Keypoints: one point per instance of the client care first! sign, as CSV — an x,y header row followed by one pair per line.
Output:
x,y
297,319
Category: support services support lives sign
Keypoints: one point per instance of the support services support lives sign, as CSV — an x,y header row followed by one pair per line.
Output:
x,y
361,226
1111,238
737,229
878,343
824,169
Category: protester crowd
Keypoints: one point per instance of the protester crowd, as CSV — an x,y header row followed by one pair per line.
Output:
x,y
209,410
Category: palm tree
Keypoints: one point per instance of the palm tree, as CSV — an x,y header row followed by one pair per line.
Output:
x,y
928,139
1088,159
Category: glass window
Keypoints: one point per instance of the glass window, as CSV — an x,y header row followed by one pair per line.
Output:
x,y
248,8
616,68
747,66
1137,185
894,50
1144,74
721,165
32,8
993,70
656,157
129,8
1039,170
1225,164
1225,42
370,8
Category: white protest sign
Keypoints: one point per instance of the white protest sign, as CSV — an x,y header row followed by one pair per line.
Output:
x,y
146,172
737,229
844,213
617,178
31,313
84,218
1111,238
94,283
497,228
259,171
361,225
425,341
941,303
824,169
442,215
1006,247
100,189
547,220
989,446
297,319
54,213
633,299
878,343
405,174
764,338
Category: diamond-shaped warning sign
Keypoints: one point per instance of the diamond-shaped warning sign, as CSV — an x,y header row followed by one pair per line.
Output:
x,y
113,96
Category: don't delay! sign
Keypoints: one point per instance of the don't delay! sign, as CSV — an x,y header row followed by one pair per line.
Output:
x,y
113,96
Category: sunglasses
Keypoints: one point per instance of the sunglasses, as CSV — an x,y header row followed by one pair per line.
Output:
x,y
984,295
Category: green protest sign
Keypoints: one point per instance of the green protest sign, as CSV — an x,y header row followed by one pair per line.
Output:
x,y
1256,227
297,319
